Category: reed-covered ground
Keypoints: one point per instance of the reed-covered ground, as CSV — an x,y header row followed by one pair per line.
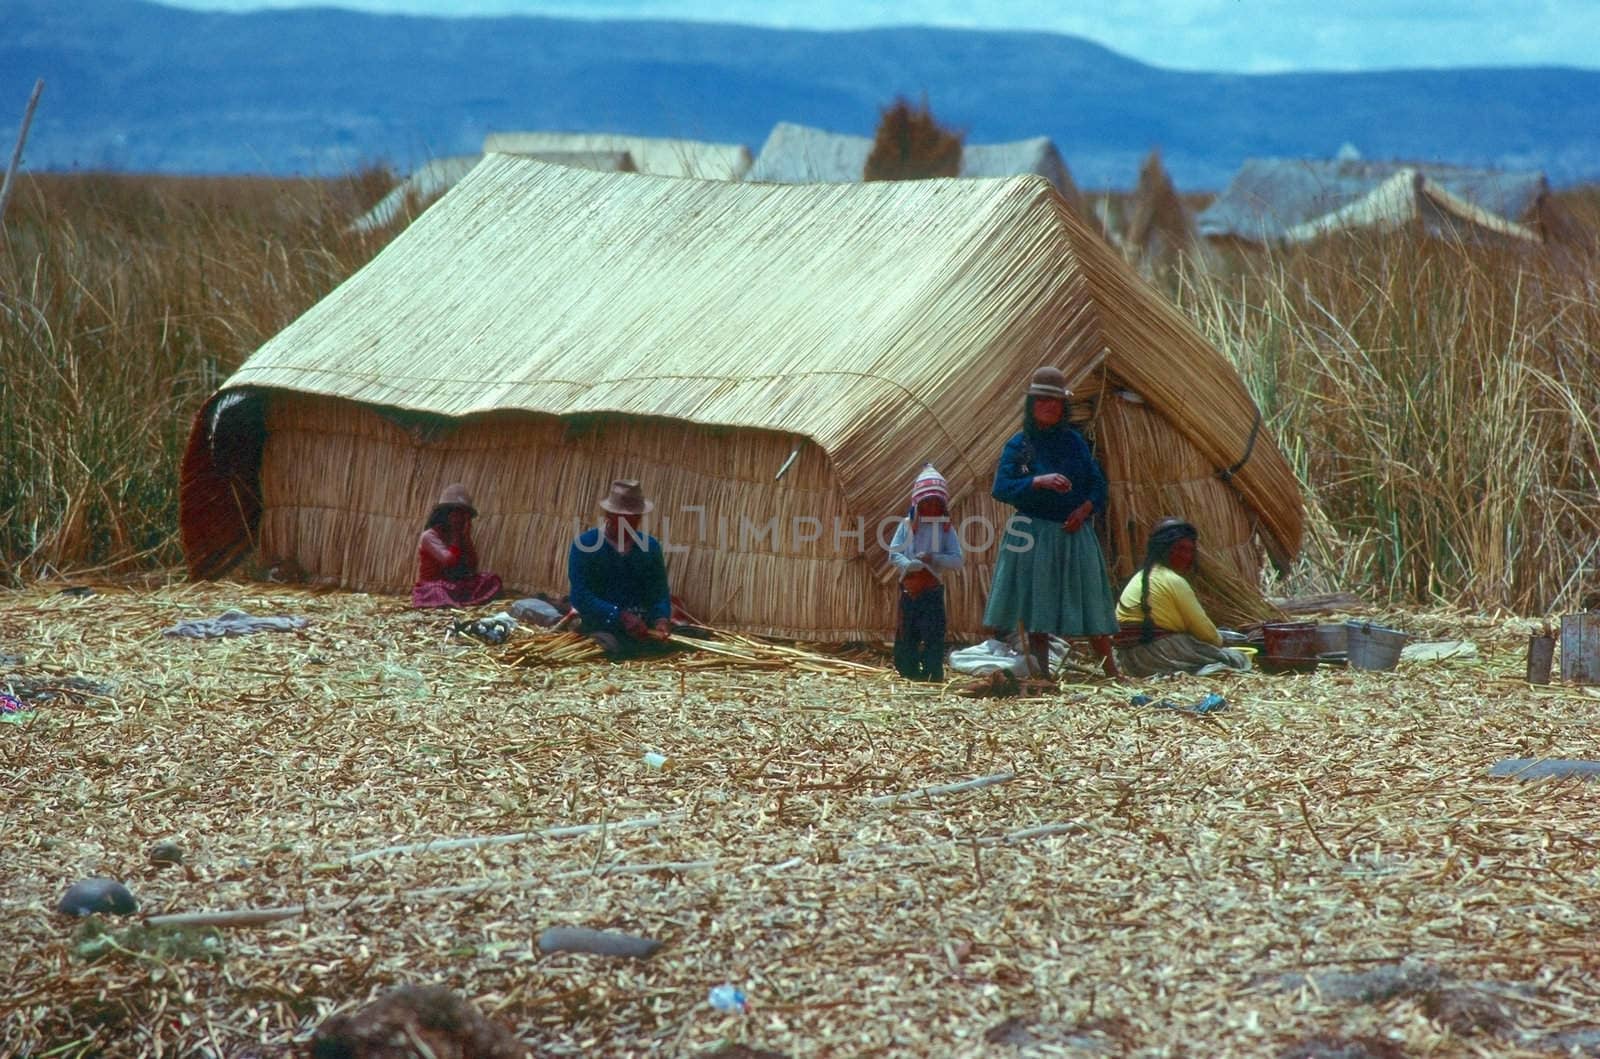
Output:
x,y
1439,400
1324,868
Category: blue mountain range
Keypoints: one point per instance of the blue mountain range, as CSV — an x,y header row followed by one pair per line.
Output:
x,y
138,86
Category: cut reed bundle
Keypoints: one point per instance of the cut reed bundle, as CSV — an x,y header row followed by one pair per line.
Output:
x,y
551,649
731,650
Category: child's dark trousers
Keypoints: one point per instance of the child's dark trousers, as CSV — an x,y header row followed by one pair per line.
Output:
x,y
919,640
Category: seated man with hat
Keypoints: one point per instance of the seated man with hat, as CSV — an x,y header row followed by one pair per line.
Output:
x,y
447,560
618,577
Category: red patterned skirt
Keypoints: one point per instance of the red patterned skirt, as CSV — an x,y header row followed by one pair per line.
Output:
x,y
466,592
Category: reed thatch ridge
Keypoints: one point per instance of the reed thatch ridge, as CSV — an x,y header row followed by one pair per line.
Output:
x,y
438,175
800,154
1410,199
656,156
1161,228
752,352
1284,199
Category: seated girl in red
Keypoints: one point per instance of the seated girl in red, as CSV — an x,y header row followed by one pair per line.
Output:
x,y
447,560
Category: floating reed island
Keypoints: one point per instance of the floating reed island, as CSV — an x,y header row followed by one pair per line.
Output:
x,y
883,868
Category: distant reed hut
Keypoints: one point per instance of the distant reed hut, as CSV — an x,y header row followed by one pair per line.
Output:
x,y
800,154
426,183
1161,230
774,362
1280,200
654,156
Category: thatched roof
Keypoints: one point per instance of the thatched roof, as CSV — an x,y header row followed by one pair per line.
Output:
x,y
439,175
1272,199
800,154
426,183
655,156
1405,199
1037,155
887,322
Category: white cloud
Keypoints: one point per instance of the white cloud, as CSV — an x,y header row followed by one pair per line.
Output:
x,y
1236,35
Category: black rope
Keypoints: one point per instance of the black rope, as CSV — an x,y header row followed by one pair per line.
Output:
x,y
1249,447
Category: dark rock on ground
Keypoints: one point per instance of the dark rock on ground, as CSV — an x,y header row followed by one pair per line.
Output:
x,y
415,1022
1370,986
1363,1047
97,896
165,853
1465,1011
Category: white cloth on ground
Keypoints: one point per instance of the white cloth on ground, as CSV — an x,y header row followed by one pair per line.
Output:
x,y
233,623
993,655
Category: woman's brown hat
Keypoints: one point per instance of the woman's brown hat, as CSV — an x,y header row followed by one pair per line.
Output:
x,y
454,496
1049,382
626,498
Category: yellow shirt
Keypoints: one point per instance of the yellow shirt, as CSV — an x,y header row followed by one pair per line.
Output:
x,y
1173,605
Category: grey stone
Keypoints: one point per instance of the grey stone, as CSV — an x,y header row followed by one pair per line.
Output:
x,y
1551,768
598,942
1582,1041
535,612
1370,986
92,896
1031,1036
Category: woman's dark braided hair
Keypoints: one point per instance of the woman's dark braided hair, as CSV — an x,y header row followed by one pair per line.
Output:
x,y
1167,532
439,517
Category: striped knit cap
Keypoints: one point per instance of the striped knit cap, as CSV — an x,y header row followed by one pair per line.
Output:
x,y
929,483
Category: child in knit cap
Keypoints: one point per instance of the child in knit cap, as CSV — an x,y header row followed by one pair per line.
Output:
x,y
925,546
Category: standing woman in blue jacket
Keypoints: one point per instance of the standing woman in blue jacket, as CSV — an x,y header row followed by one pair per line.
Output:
x,y
1051,576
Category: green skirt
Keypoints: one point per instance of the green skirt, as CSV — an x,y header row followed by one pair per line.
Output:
x,y
1058,585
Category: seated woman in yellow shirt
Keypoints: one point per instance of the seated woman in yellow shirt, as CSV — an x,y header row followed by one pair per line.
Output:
x,y
1164,629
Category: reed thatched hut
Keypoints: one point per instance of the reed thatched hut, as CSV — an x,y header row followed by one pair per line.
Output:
x,y
1296,200
653,155
433,178
774,362
800,154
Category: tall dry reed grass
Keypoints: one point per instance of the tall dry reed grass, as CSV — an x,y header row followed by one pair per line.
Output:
x,y
124,300
1440,401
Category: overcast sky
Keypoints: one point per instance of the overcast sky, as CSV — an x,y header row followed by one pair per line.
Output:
x,y
1234,35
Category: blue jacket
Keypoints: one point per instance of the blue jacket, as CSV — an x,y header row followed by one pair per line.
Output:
x,y
604,582
1059,451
